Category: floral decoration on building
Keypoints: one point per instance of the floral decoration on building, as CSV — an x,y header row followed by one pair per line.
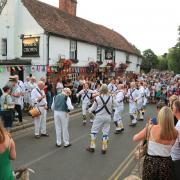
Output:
x,y
110,66
64,63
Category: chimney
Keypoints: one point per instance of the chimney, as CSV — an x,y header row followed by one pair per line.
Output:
x,y
68,6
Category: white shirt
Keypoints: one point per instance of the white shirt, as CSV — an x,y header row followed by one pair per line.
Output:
x,y
133,95
141,94
98,104
119,98
112,87
17,99
35,95
157,149
85,98
175,152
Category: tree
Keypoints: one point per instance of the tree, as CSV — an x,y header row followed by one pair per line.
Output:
x,y
150,61
163,62
174,56
174,59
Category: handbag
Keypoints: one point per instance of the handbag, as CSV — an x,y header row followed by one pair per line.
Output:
x,y
142,147
7,106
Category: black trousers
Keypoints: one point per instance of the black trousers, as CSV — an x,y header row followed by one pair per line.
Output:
x,y
19,111
176,170
7,117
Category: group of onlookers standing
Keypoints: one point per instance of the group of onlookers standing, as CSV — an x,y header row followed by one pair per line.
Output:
x,y
162,160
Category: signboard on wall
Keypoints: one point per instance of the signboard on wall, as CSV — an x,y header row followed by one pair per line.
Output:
x,y
108,54
30,47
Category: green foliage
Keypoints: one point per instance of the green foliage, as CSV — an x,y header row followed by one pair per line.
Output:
x,y
174,59
150,60
168,61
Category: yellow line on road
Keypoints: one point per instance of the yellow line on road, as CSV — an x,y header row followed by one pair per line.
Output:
x,y
122,165
124,168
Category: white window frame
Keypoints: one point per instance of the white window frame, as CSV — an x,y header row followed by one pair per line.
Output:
x,y
73,49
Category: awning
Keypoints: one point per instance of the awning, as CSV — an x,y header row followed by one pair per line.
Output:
x,y
16,62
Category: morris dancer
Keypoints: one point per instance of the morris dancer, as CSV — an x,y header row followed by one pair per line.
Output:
x,y
86,95
133,95
146,96
119,109
140,112
39,99
102,108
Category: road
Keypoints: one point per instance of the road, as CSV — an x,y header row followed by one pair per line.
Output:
x,y
75,163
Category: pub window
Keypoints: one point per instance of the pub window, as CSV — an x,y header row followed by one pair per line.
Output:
x,y
4,47
30,47
73,49
99,54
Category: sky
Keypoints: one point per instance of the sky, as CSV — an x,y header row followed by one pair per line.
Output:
x,y
148,24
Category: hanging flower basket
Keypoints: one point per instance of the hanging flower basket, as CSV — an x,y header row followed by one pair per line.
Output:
x,y
110,66
93,64
64,63
123,66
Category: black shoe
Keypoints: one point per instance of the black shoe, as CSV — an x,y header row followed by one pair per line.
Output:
x,y
103,151
45,135
141,119
37,136
90,149
84,123
119,131
66,146
132,124
58,145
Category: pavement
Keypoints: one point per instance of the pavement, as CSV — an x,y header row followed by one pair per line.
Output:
x,y
75,163
28,121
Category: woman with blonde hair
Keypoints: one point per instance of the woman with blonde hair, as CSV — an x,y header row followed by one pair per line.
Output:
x,y
7,153
157,163
172,99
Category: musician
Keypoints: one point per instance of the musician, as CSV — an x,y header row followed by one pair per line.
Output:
x,y
133,95
102,108
119,99
61,106
39,100
86,96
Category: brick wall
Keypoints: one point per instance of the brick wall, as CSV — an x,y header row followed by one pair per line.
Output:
x,y
68,6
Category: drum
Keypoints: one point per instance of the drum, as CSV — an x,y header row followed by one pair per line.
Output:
x,y
35,112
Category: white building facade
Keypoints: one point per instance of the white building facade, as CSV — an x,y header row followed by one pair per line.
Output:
x,y
26,44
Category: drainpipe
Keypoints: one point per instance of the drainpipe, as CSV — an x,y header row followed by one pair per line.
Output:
x,y
48,37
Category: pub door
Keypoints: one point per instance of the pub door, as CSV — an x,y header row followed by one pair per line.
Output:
x,y
20,73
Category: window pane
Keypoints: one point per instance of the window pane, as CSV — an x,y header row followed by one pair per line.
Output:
x,y
4,47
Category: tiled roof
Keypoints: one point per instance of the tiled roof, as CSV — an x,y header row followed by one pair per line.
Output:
x,y
55,21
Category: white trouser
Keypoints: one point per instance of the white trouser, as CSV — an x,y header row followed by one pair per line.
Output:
x,y
27,97
40,122
132,108
85,106
61,120
132,111
118,113
145,101
118,117
101,122
139,105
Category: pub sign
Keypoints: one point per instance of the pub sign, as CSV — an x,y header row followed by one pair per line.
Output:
x,y
30,47
108,54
